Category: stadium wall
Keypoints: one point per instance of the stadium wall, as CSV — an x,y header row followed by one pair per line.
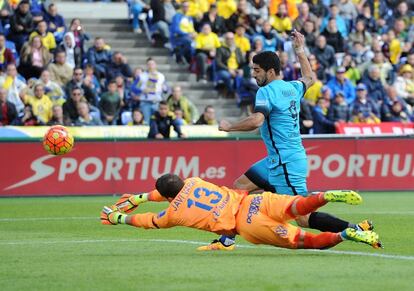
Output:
x,y
195,131
107,166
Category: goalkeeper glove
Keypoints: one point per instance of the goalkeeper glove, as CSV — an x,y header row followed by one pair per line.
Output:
x,y
129,202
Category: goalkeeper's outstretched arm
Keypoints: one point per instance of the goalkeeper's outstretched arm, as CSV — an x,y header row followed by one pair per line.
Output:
x,y
129,202
148,220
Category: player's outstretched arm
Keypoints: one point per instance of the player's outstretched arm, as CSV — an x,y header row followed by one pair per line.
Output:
x,y
129,202
148,220
112,216
308,77
249,123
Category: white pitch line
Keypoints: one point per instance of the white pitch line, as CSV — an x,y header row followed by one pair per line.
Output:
x,y
333,252
17,219
376,212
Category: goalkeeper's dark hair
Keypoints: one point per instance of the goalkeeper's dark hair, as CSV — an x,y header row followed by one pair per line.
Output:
x,y
267,60
169,185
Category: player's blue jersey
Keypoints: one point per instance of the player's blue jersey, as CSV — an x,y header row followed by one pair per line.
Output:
x,y
279,101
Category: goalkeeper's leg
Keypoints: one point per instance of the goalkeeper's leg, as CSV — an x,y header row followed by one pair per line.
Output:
x,y
324,240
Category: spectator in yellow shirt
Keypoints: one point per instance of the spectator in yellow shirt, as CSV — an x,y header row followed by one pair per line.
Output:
x,y
178,101
404,84
315,91
394,47
48,39
242,42
229,63
182,34
352,72
41,104
292,9
243,17
225,8
206,44
281,21
137,117
52,89
197,8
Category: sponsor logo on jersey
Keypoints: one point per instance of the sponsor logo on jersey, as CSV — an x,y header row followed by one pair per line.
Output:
x,y
254,208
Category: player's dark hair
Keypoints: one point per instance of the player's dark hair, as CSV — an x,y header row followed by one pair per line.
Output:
x,y
73,20
74,88
10,65
169,185
38,85
208,107
89,66
60,51
112,81
42,69
136,109
84,102
267,60
163,102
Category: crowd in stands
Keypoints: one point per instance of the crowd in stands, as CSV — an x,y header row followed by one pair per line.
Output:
x,y
360,50
50,76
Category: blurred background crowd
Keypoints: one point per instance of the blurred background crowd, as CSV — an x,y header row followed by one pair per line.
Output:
x,y
54,72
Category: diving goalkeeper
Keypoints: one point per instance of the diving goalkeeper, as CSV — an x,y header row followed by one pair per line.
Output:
x,y
259,218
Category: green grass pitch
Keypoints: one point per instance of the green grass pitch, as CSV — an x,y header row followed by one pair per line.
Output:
x,y
59,244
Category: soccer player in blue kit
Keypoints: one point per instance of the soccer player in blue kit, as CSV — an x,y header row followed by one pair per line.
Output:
x,y
276,113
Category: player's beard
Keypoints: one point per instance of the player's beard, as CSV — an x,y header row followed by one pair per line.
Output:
x,y
262,82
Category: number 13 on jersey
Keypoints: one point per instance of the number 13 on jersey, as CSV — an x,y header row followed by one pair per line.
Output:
x,y
199,194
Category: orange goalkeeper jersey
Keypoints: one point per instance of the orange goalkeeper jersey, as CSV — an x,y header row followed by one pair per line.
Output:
x,y
200,205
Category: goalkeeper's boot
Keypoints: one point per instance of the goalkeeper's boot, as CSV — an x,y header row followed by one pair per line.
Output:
x,y
216,245
368,237
110,215
129,202
346,196
365,225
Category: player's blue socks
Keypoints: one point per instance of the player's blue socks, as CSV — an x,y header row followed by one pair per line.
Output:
x,y
227,240
344,236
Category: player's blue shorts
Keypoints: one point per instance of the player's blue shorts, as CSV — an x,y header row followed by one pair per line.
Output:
x,y
289,178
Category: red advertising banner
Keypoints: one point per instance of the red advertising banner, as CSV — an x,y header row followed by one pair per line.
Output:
x,y
381,128
118,167
361,164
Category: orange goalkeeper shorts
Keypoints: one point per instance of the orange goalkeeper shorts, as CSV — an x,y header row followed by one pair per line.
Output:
x,y
263,219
